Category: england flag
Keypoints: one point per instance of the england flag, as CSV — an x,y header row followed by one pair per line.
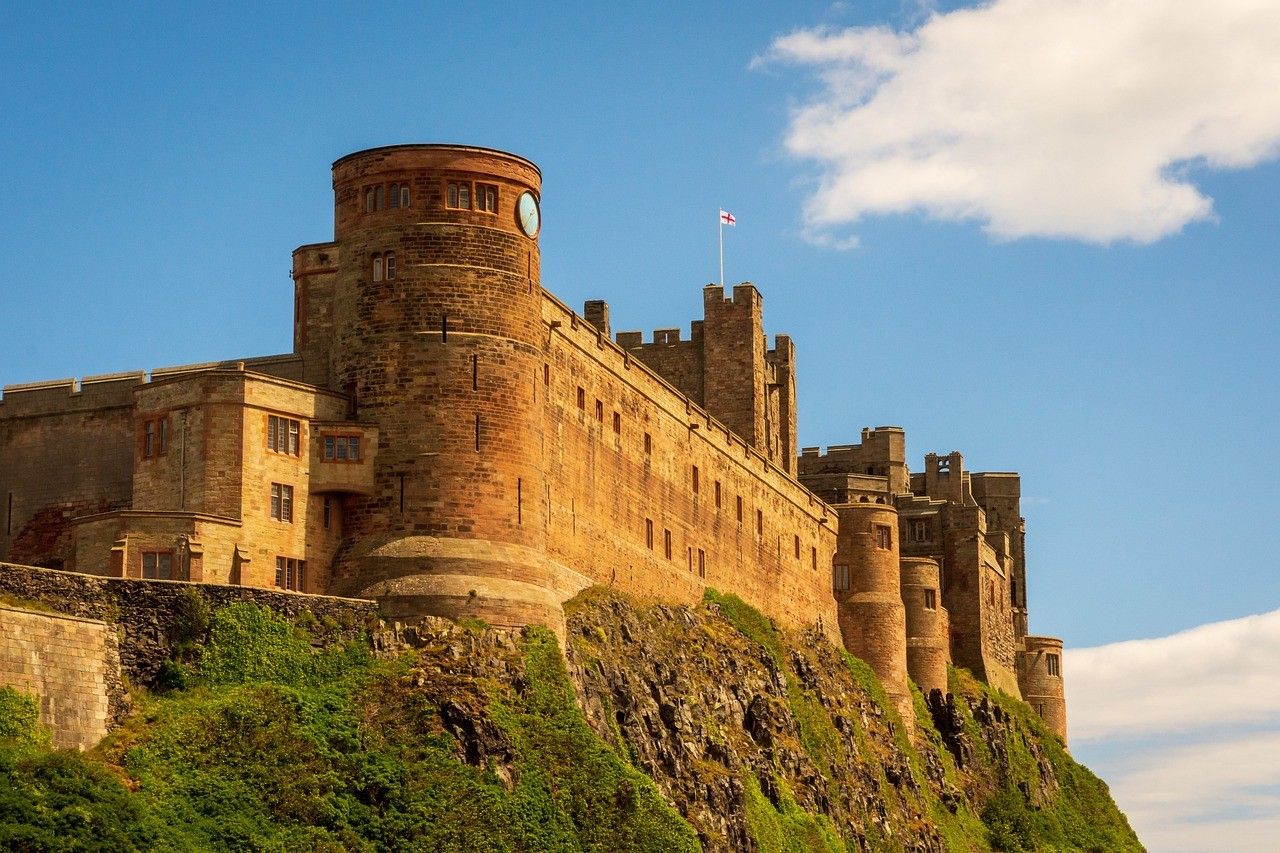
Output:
x,y
726,218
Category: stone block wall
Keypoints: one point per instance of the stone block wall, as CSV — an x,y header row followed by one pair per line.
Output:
x,y
144,612
71,665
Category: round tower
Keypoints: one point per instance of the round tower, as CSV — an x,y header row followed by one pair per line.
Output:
x,y
1040,680
927,646
438,339
869,603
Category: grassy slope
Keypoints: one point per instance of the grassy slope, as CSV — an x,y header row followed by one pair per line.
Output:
x,y
268,744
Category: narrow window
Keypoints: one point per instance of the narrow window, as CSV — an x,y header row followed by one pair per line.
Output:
x,y
797,547
617,423
884,537
739,510
393,197
814,554
600,411
477,432
275,500
702,563
930,599
149,439
648,533
453,196
487,198
273,425
342,451
157,565
164,435
464,196
717,494
353,448
582,399
760,523
8,524
475,373
379,201
546,374
330,452
327,513
991,593
840,577
368,200
666,542
294,433
690,559
695,480
444,328
377,267
519,500
391,265
402,493
404,196
286,503
648,444
1053,665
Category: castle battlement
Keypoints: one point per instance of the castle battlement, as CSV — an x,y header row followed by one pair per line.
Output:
x,y
449,438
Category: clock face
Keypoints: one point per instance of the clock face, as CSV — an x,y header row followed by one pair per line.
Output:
x,y
527,214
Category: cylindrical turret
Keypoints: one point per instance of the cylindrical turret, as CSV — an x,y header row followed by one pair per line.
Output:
x,y
928,651
1040,680
869,600
438,338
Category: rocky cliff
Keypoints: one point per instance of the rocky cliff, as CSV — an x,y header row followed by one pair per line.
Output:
x,y
660,728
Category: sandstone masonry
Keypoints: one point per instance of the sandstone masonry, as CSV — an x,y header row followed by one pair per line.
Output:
x,y
450,439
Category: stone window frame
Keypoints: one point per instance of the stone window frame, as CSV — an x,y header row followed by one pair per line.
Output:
x,y
153,437
648,533
155,572
291,573
884,537
840,577
702,564
284,435
455,191
930,599
337,447
1053,664
486,198
666,542
282,502
379,197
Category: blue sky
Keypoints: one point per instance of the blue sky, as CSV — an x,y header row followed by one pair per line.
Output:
x,y
1065,260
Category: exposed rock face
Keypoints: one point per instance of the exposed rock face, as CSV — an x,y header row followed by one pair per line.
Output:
x,y
748,731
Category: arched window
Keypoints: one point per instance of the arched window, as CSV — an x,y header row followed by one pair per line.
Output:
x,y
389,264
393,197
377,267
404,196
368,200
379,200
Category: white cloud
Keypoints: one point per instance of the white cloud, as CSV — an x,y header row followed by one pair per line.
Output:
x,y
1186,730
1217,674
1065,119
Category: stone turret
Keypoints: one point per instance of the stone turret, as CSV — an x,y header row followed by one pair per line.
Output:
x,y
927,646
437,338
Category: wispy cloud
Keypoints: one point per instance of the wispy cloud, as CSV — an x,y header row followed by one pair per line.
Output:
x,y
1186,729
1063,119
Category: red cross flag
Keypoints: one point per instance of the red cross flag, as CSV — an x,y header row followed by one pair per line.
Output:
x,y
726,218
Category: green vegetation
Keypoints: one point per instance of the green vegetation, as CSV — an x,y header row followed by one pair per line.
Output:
x,y
269,744
788,829
265,738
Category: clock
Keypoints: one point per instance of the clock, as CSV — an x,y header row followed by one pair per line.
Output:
x,y
527,214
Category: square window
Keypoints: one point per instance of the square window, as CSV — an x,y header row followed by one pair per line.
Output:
x,y
157,565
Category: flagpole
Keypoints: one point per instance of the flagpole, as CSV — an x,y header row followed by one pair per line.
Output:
x,y
720,219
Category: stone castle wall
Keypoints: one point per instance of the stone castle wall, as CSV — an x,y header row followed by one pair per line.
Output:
x,y
744,527
70,664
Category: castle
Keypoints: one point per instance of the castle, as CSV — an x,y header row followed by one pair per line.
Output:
x,y
448,438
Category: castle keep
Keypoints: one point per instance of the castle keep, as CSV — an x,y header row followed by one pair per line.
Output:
x,y
449,438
